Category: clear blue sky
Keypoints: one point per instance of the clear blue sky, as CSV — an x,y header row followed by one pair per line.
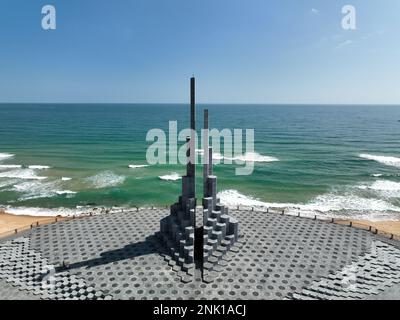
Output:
x,y
243,51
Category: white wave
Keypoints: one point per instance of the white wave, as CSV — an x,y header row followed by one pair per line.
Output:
x,y
44,212
330,204
37,189
384,188
200,151
255,157
39,167
219,157
216,155
235,198
105,179
389,161
65,178
137,166
65,192
8,182
377,175
386,185
247,157
4,156
171,177
10,166
54,212
26,174
349,202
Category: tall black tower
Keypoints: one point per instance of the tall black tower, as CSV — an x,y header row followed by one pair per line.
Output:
x,y
198,242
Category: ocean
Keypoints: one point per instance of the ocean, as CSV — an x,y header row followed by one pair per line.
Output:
x,y
329,160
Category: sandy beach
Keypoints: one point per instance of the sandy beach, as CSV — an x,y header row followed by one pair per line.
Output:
x,y
388,227
9,222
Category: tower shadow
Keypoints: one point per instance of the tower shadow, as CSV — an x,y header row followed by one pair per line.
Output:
x,y
149,246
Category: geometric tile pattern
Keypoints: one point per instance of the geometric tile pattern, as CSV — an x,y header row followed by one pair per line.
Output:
x,y
119,256
371,274
26,270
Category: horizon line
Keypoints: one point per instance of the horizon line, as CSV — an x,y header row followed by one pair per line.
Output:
x,y
208,103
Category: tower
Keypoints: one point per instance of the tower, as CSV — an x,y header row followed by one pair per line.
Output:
x,y
178,229
220,231
200,243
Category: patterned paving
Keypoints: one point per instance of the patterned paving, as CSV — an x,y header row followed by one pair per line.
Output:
x,y
120,256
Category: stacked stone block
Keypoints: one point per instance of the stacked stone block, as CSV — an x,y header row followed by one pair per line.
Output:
x,y
213,235
177,232
220,231
178,229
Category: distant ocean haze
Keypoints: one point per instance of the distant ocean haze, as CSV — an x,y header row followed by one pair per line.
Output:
x,y
332,160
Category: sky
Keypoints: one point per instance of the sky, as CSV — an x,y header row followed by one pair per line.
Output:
x,y
241,51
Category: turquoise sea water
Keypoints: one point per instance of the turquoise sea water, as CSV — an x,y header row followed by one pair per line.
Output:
x,y
334,160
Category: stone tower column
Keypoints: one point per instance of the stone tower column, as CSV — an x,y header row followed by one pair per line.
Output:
x,y
192,151
205,153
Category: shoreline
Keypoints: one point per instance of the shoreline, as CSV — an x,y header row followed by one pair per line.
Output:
x,y
380,227
12,223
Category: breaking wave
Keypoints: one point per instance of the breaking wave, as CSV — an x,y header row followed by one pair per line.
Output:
x,y
26,174
171,177
54,212
4,156
44,212
247,157
137,166
38,167
38,189
65,192
331,205
10,166
385,188
105,179
389,161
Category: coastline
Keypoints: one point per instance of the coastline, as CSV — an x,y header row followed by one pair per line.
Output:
x,y
380,227
10,222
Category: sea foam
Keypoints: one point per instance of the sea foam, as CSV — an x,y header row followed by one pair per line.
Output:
x,y
389,161
10,166
254,157
45,212
65,192
26,174
105,179
39,167
137,166
247,157
37,189
330,205
171,177
384,188
4,156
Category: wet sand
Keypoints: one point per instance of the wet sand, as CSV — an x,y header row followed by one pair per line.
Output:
x,y
10,222
387,228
